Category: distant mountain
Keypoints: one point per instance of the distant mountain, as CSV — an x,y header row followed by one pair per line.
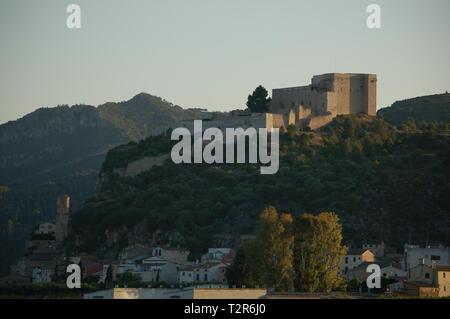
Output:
x,y
60,150
431,108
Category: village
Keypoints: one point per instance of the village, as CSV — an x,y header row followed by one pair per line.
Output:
x,y
162,272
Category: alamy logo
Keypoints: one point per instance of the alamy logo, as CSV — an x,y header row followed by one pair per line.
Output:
x,y
74,279
374,19
74,19
235,140
374,279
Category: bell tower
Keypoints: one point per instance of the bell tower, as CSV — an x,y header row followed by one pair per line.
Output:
x,y
62,217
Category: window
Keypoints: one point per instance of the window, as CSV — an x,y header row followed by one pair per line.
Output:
x,y
206,277
435,257
346,260
354,259
443,274
427,276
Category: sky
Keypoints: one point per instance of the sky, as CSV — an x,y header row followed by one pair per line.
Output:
x,y
211,53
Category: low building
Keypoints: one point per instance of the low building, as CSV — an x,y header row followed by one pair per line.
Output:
x,y
156,269
354,258
421,289
415,255
210,272
421,273
387,271
186,274
442,280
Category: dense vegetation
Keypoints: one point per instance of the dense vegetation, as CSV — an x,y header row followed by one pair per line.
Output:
x,y
302,254
432,108
53,151
384,184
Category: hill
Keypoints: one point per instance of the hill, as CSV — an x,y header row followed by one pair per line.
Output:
x,y
431,108
385,184
59,150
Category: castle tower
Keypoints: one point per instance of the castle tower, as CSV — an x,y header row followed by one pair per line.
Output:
x,y
62,217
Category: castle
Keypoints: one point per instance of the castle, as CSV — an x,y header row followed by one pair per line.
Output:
x,y
327,96
311,106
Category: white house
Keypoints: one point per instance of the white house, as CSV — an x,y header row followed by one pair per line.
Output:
x,y
159,270
415,255
214,273
186,274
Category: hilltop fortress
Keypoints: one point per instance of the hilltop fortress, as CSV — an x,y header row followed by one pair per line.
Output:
x,y
311,106
327,96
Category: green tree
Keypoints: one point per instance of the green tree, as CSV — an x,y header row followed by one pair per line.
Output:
x,y
318,251
246,268
258,102
275,240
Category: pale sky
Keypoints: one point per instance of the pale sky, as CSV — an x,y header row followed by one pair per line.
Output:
x,y
211,53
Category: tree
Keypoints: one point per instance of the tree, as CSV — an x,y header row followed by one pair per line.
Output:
x,y
318,251
275,240
258,102
268,260
246,270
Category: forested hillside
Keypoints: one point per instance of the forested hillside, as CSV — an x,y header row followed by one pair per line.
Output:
x,y
384,183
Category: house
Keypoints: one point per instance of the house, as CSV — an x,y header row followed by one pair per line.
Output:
x,y
186,274
377,248
421,289
421,273
387,271
391,272
156,269
217,254
209,272
442,280
174,255
436,276
354,258
46,229
415,255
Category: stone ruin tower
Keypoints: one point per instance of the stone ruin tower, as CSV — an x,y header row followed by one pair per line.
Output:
x,y
62,217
